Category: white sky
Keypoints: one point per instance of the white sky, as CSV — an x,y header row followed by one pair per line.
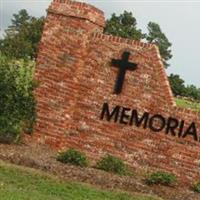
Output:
x,y
179,20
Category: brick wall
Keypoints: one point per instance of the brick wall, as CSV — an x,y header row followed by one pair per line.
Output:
x,y
76,77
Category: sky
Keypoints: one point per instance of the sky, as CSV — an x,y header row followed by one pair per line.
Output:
x,y
179,20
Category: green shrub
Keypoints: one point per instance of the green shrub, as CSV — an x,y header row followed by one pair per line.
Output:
x,y
73,157
113,164
17,103
196,187
162,178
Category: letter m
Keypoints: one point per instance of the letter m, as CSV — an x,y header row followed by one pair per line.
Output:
x,y
114,114
138,121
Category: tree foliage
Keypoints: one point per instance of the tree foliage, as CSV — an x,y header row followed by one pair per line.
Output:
x,y
177,84
193,92
22,36
17,104
157,37
125,25
18,21
179,89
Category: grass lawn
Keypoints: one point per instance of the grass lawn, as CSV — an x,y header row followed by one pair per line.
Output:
x,y
188,104
19,183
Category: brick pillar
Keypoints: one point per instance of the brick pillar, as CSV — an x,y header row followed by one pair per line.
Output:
x,y
61,59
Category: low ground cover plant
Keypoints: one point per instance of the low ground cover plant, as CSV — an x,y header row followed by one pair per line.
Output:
x,y
161,178
74,157
113,164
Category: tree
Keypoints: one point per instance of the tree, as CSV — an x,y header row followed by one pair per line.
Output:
x,y
157,37
124,25
178,88
177,84
18,21
22,36
193,92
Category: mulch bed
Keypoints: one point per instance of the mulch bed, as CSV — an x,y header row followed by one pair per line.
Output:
x,y
43,157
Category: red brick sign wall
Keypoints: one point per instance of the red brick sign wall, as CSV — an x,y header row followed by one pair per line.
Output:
x,y
77,106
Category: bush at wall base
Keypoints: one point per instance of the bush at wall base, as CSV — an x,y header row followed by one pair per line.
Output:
x,y
161,178
196,187
113,164
74,157
8,138
17,102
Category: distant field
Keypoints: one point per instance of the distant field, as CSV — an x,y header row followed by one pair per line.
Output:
x,y
188,104
18,183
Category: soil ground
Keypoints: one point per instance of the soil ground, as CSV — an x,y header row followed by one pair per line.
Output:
x,y
43,157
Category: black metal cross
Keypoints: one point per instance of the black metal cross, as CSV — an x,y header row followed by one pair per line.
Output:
x,y
123,65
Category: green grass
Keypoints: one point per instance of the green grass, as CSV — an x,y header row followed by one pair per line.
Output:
x,y
18,183
188,104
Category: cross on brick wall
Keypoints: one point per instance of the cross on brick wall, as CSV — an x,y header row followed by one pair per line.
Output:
x,y
123,66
